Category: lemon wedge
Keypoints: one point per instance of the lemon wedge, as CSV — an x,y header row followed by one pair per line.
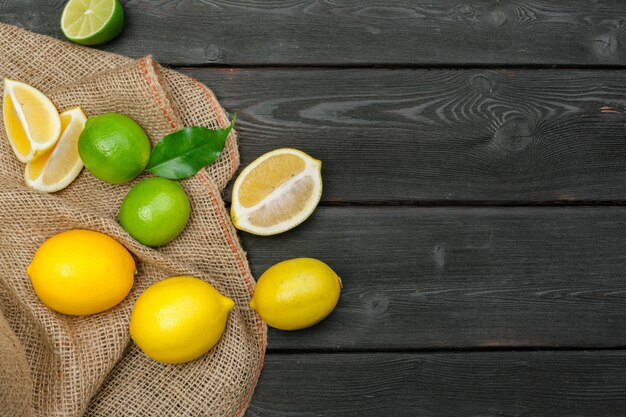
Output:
x,y
276,192
31,121
56,168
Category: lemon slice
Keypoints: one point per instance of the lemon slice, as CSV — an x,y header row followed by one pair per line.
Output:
x,y
31,121
92,22
276,192
59,166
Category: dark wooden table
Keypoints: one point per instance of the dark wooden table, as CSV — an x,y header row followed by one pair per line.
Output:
x,y
474,189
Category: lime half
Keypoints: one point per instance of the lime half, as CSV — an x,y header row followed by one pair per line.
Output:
x,y
92,22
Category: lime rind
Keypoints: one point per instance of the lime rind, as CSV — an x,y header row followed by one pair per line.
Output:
x,y
92,22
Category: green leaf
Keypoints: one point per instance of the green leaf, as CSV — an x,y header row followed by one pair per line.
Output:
x,y
182,154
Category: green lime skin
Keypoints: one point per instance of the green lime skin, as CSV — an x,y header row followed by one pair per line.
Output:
x,y
114,148
107,33
155,211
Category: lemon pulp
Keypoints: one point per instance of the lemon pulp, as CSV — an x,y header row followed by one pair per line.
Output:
x,y
276,192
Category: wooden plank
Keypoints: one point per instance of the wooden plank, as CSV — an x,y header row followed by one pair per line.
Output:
x,y
442,136
488,384
446,32
431,278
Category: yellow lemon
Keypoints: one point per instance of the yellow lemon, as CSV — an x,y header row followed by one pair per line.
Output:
x,y
179,319
276,192
296,293
81,272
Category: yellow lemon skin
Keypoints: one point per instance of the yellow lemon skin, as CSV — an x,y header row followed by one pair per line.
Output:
x,y
179,319
81,272
296,293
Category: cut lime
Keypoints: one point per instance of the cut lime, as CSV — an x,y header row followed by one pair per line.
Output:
x,y
92,22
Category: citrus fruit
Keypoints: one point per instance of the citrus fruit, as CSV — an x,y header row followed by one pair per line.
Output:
x,y
296,293
59,166
31,121
114,148
276,192
81,272
179,319
92,22
155,211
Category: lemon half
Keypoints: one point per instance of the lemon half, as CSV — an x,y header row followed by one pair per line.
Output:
x,y
276,192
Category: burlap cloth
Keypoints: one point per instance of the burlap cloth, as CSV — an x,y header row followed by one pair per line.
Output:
x,y
57,365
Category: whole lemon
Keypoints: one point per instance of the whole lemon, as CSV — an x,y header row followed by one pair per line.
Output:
x,y
179,319
296,293
155,211
114,148
81,272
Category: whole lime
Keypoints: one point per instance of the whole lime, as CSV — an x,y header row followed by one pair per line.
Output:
x,y
114,148
155,211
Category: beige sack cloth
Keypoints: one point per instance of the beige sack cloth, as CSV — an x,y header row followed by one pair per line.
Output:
x,y
57,365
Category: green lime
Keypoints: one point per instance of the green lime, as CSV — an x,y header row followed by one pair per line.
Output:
x,y
92,22
155,211
114,148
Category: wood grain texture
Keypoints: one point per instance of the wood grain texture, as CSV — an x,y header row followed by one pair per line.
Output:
x,y
443,136
505,384
455,278
426,278
303,32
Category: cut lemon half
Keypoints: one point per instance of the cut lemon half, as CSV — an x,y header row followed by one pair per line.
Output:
x,y
31,121
92,22
59,166
276,192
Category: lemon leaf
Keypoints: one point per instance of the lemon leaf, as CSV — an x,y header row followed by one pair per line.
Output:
x,y
183,153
